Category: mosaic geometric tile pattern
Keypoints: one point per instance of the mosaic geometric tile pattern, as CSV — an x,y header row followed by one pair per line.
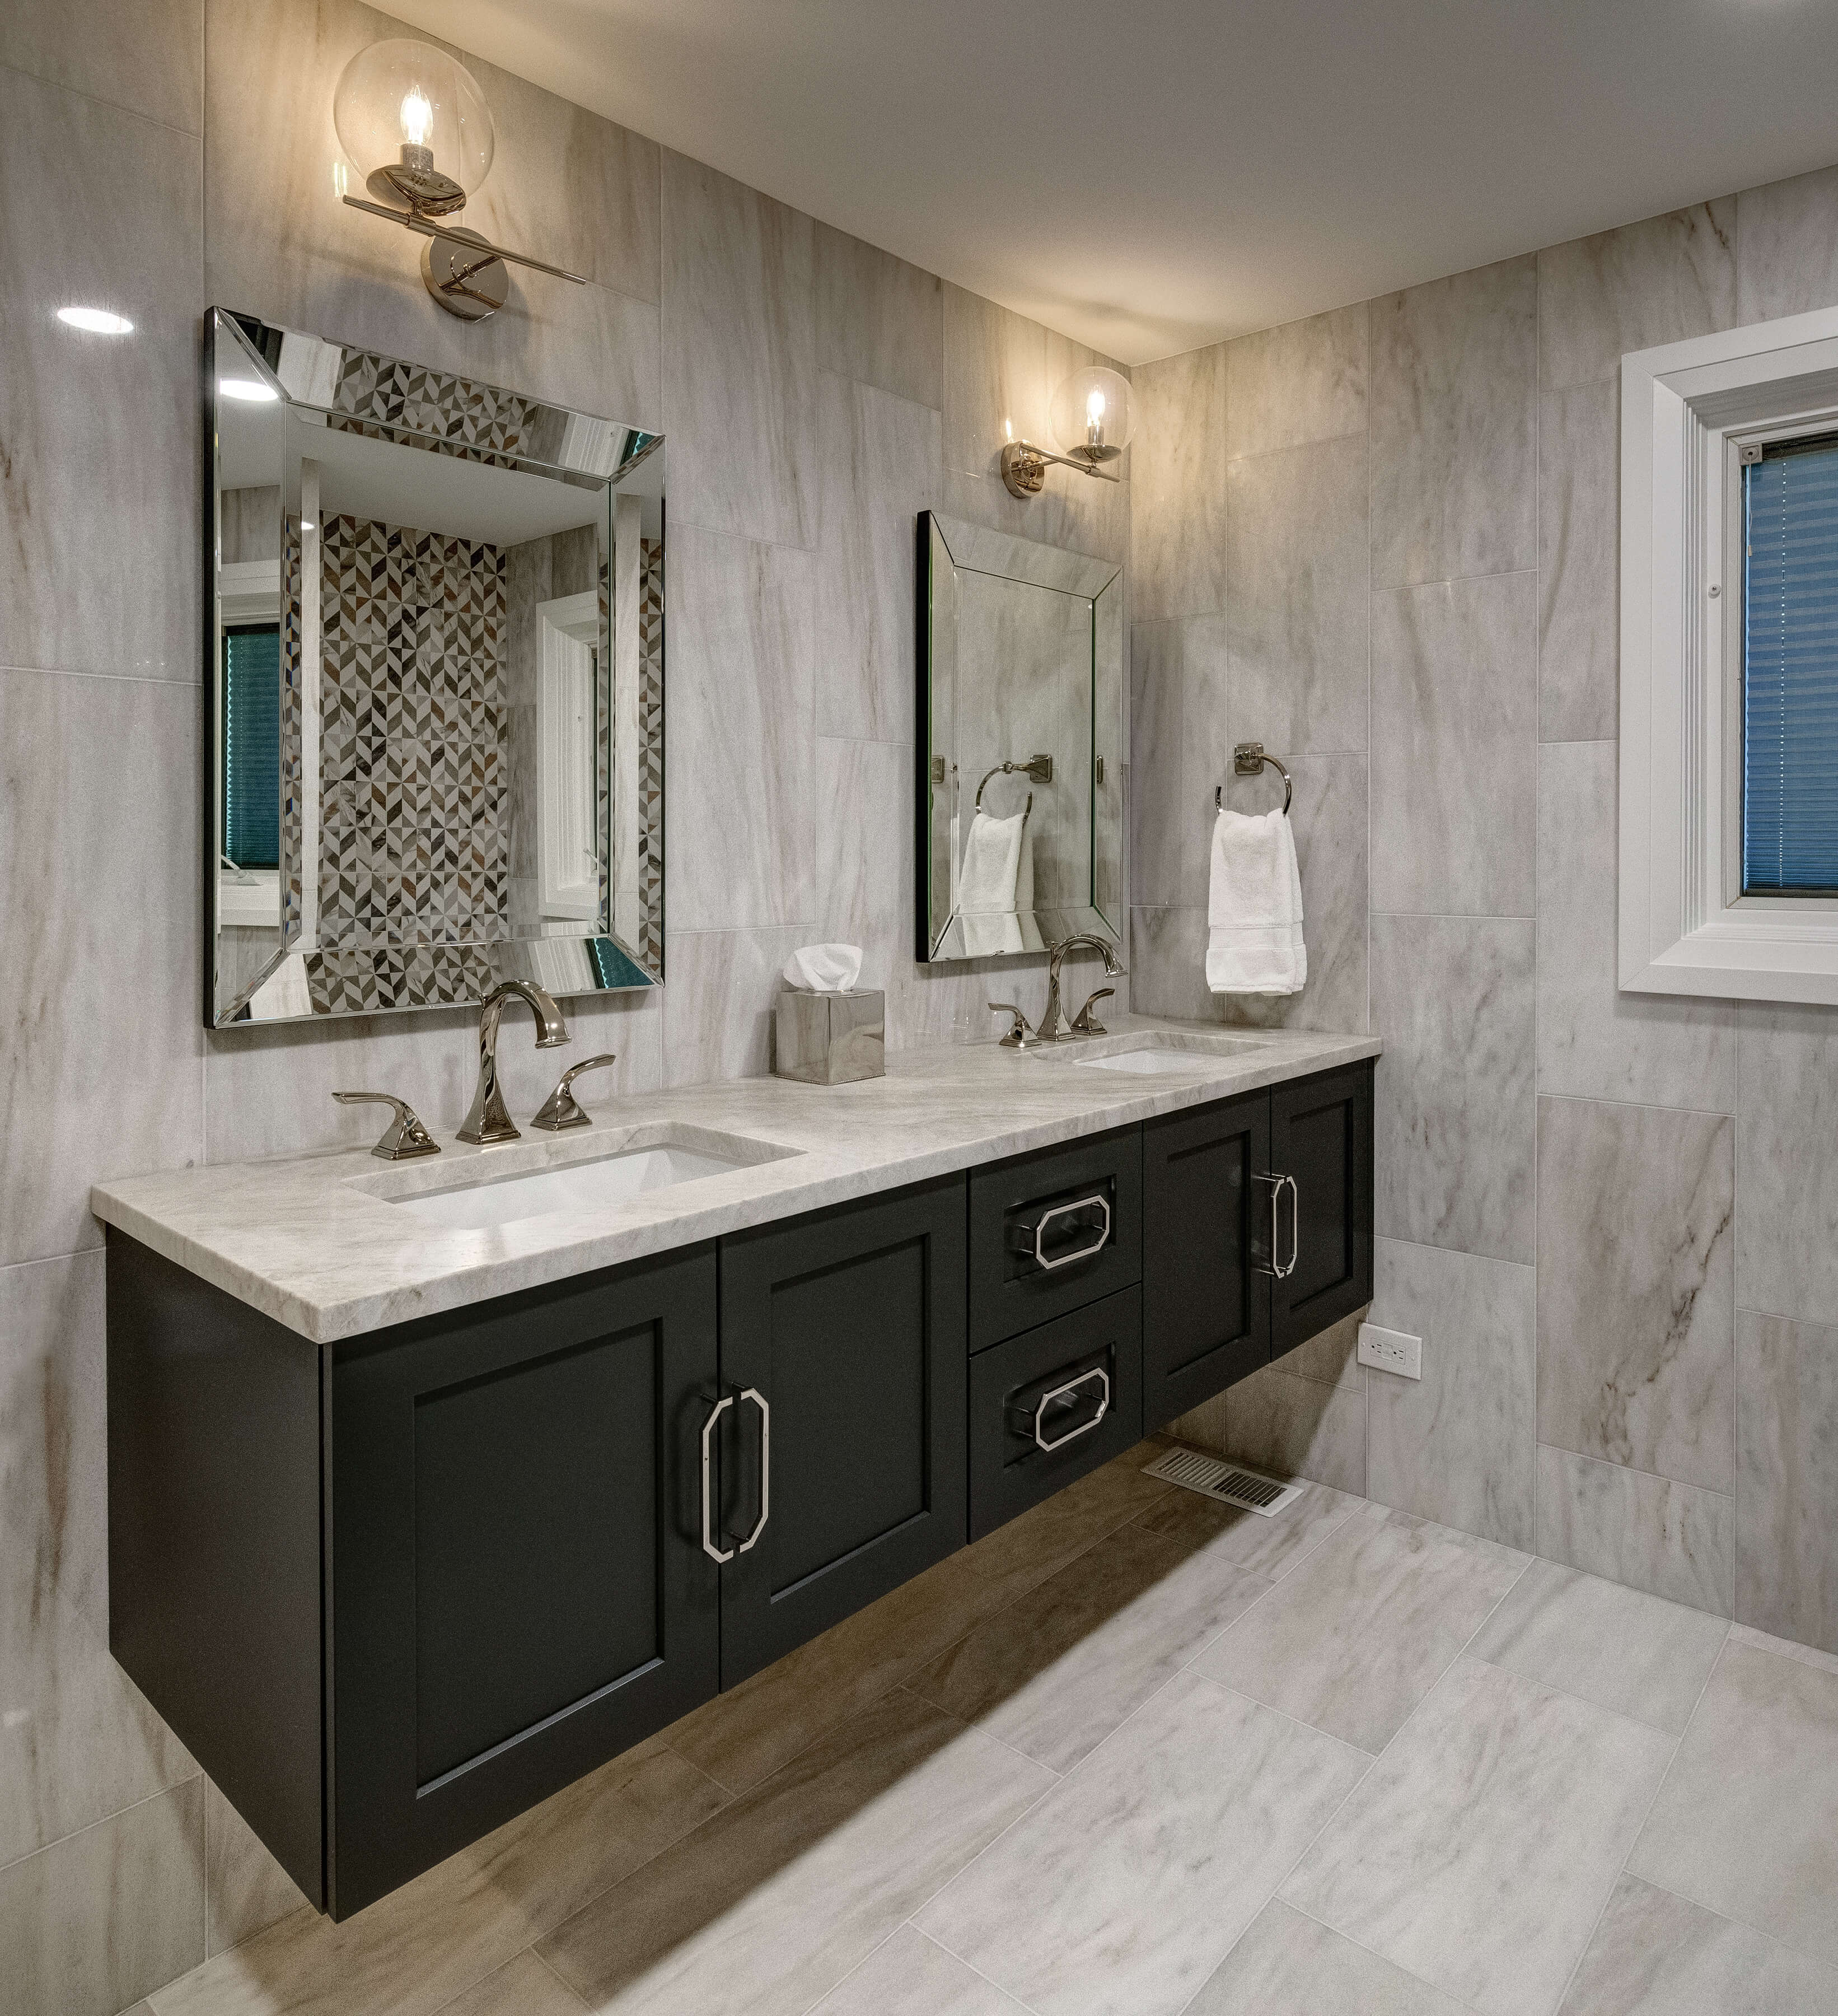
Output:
x,y
357,980
650,946
483,421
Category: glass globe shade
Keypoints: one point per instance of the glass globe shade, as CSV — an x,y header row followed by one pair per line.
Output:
x,y
400,102
1093,414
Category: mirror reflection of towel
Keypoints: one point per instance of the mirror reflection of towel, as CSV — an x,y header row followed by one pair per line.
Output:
x,y
996,884
1254,908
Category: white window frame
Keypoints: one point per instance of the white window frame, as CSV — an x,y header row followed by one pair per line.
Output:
x,y
1687,408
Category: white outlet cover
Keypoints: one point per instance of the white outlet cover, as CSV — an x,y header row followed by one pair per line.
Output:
x,y
1392,1351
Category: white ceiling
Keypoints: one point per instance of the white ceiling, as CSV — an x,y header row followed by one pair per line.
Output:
x,y
1150,177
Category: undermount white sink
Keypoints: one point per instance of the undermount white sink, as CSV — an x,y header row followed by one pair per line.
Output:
x,y
1153,1056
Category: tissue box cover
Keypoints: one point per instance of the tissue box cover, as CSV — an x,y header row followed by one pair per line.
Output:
x,y
831,1039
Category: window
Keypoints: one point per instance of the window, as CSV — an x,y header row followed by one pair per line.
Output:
x,y
1729,855
252,746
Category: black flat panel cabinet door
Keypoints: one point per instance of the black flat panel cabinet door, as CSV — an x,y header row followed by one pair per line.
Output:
x,y
842,1469
1206,1287
518,1588
1321,1136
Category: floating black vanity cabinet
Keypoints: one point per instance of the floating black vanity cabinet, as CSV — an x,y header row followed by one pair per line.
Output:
x,y
849,1328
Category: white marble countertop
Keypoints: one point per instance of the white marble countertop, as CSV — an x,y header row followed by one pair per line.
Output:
x,y
315,1242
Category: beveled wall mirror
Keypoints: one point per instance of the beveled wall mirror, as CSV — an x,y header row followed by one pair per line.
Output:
x,y
435,656
1020,743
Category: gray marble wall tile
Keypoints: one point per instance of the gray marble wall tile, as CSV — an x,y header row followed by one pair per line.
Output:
x,y
99,905
79,1741
1787,252
1179,749
738,803
104,1917
1786,1172
1288,1965
1178,487
1454,744
1579,563
1331,1356
1298,1428
1456,1446
147,60
1655,1954
878,456
1167,962
1478,1851
1746,1821
995,379
280,244
1304,382
1787,1478
1454,1137
1671,1539
99,564
1455,426
1080,514
1654,282
1296,549
879,321
1594,1041
717,1005
1636,1288
739,335
246,1889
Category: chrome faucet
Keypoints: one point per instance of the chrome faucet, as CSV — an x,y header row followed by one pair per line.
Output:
x,y
488,1121
1049,1031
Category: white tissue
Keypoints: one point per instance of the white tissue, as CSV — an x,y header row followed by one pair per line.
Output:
x,y
825,968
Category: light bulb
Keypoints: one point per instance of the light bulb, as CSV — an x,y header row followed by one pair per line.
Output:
x,y
1092,413
414,125
1094,410
417,115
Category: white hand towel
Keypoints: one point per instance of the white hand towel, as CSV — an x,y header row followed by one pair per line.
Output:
x,y
1254,908
988,884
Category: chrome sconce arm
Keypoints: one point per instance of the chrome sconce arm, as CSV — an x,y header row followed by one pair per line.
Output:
x,y
1024,466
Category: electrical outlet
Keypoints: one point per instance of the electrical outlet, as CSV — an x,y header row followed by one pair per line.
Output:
x,y
1391,1351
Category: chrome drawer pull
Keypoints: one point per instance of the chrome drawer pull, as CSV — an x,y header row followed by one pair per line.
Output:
x,y
1281,1273
1065,1392
1080,1252
753,1394
708,1546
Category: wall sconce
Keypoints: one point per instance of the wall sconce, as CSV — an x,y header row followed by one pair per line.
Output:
x,y
416,125
1093,415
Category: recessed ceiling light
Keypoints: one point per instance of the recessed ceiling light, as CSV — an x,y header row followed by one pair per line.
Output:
x,y
251,389
99,321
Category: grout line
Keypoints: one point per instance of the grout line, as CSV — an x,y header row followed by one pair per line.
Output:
x,y
1633,1105
102,1820
1302,1911
1659,1477
114,105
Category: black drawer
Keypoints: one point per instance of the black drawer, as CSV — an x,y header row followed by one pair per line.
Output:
x,y
1052,1232
1074,1386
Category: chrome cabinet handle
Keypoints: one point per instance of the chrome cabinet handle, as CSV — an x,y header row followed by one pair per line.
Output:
x,y
1079,1252
1064,1391
753,1394
1277,1183
708,1546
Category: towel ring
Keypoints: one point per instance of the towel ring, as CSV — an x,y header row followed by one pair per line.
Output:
x,y
1248,759
1039,767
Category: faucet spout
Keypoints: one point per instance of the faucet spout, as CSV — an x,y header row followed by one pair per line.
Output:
x,y
1050,1030
488,1120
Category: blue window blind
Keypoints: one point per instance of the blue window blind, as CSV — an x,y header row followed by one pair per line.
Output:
x,y
1790,670
252,747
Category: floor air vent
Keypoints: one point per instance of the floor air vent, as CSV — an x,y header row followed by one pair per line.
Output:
x,y
1225,1482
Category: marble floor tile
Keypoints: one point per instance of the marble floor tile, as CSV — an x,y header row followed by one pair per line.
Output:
x,y
1787,1478
1305,381
147,60
1655,1954
1296,558
1055,1672
740,348
1271,1547
877,467
1332,1355
1579,563
100,209
1119,1894
1454,404
1670,1540
1298,1428
100,1918
1787,257
246,1889
1623,1650
912,1975
1455,748
1746,1822
777,1899
1787,1175
411,1951
879,321
525,1986
1637,1287
1177,521
1457,1445
1594,1041
1656,281
1287,1965
1365,1627
1479,1851
1455,1121
1787,1648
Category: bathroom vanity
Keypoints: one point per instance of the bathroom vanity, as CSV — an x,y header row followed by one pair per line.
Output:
x,y
432,1488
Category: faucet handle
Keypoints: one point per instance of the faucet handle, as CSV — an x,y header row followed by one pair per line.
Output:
x,y
560,1110
405,1138
1021,1031
1082,1021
